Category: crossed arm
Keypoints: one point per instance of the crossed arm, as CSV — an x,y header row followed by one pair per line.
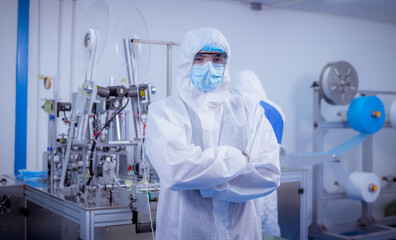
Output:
x,y
222,172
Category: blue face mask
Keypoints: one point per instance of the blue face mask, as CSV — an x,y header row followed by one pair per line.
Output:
x,y
208,76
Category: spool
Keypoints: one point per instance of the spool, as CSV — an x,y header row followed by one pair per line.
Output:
x,y
90,39
338,83
367,186
366,114
47,106
360,186
93,32
47,82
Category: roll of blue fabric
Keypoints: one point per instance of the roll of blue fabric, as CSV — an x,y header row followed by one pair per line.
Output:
x,y
366,114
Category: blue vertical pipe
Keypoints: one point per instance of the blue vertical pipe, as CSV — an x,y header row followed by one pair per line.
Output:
x,y
21,86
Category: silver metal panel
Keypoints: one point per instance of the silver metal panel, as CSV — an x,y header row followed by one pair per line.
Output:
x,y
296,177
120,233
53,204
70,214
43,224
289,210
112,217
12,226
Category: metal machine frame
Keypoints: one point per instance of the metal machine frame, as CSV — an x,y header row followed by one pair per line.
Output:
x,y
373,229
295,176
113,199
129,43
87,218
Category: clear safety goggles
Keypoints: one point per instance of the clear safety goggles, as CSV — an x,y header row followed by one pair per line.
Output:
x,y
215,57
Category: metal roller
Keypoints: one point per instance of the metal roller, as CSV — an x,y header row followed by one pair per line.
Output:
x,y
338,83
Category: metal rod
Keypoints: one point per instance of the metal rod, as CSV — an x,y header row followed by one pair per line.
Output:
x,y
367,167
169,59
118,130
52,171
155,189
128,61
369,92
317,169
327,125
84,159
155,42
334,196
368,155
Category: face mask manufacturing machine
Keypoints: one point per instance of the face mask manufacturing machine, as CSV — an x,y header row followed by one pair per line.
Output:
x,y
338,85
99,184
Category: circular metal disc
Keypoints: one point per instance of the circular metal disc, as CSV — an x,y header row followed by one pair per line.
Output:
x,y
98,19
131,24
338,83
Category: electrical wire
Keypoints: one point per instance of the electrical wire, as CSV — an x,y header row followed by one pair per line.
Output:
x,y
146,184
65,118
107,124
134,68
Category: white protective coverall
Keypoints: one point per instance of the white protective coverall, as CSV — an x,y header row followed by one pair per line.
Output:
x,y
214,154
247,85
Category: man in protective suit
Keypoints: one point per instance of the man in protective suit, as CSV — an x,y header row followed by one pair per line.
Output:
x,y
215,153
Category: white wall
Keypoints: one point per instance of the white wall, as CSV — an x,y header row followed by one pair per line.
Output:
x,y
8,47
287,49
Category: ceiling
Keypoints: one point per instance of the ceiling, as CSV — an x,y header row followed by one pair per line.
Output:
x,y
379,10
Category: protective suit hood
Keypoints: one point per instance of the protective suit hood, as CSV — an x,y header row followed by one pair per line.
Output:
x,y
193,42
247,85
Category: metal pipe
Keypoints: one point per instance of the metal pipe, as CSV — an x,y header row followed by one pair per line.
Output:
x,y
155,42
154,189
317,215
117,128
345,124
52,171
57,78
369,92
128,61
367,208
72,40
169,59
84,159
